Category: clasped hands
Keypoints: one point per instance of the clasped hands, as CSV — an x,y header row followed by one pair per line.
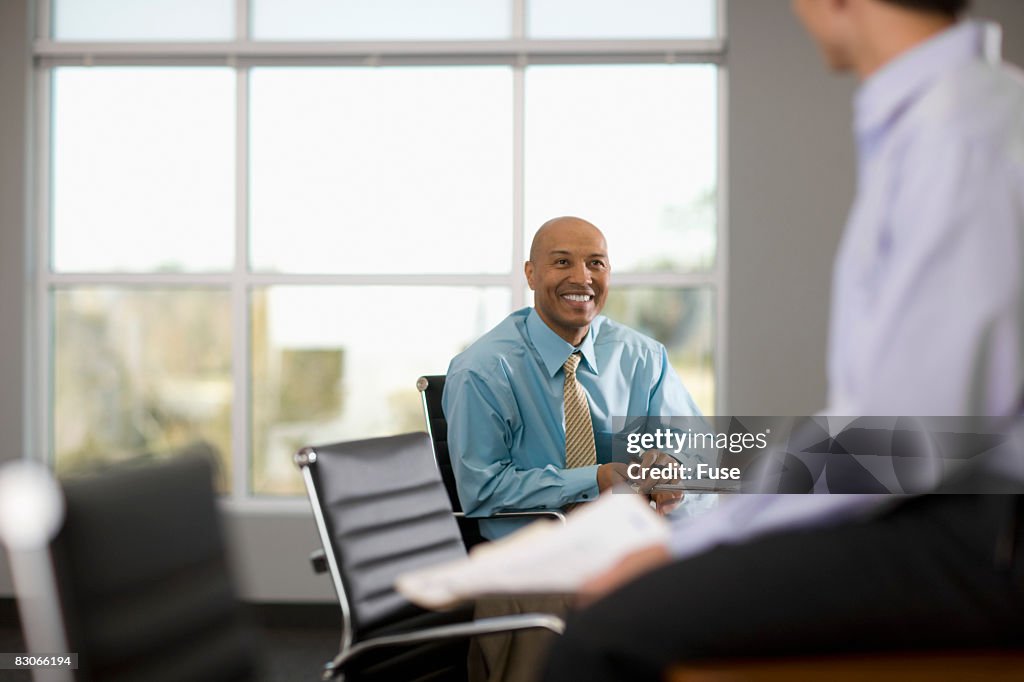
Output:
x,y
615,473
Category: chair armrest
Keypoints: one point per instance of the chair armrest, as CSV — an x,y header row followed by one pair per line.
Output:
x,y
557,515
318,560
552,513
484,626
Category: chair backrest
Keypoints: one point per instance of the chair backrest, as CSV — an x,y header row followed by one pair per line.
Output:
x,y
381,510
431,390
143,580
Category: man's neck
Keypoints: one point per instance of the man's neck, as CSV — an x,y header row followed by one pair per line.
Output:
x,y
889,31
572,336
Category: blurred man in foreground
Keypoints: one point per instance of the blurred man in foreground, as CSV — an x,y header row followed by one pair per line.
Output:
x,y
926,320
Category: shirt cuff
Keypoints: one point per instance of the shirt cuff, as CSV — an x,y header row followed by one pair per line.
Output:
x,y
580,484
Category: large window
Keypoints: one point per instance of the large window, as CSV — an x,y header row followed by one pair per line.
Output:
x,y
261,220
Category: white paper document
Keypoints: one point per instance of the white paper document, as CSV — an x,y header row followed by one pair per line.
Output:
x,y
546,557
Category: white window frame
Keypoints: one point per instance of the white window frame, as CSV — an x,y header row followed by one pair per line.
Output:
x,y
243,54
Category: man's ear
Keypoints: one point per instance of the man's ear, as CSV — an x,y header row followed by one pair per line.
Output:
x,y
528,269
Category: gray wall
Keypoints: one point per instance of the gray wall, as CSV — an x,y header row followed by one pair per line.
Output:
x,y
790,176
15,76
15,64
1009,13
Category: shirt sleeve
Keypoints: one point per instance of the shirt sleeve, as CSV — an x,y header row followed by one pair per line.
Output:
x,y
937,318
669,397
480,436
748,516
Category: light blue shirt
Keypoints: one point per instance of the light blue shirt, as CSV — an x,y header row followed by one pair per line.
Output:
x,y
928,297
503,400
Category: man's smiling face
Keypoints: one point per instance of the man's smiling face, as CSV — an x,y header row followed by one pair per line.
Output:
x,y
568,271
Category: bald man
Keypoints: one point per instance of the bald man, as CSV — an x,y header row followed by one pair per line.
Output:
x,y
504,397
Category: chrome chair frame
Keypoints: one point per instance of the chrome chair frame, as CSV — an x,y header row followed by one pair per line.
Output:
x,y
349,650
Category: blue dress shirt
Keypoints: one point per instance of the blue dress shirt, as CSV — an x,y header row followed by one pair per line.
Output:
x,y
928,289
503,400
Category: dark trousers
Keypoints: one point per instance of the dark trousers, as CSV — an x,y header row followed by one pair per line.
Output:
x,y
936,572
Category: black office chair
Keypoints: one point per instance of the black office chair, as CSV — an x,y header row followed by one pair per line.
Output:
x,y
431,389
381,510
141,577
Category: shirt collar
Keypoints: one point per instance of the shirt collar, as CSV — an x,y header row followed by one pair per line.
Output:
x,y
893,87
553,349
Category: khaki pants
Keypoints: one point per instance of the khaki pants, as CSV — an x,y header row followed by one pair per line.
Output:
x,y
514,656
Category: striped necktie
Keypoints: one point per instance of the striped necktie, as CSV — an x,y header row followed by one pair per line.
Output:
x,y
579,430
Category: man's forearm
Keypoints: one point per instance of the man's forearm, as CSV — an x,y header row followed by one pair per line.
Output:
x,y
485,492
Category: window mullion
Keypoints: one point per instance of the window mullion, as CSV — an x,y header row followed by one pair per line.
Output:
x,y
44,19
41,355
518,179
241,20
519,10
721,266
517,294
240,437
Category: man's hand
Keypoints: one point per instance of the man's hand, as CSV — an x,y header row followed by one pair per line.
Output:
x,y
611,474
665,501
632,566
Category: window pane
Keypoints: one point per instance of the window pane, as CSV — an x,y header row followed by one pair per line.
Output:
x,y
143,19
387,170
381,19
621,19
340,363
633,149
683,320
143,169
140,371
